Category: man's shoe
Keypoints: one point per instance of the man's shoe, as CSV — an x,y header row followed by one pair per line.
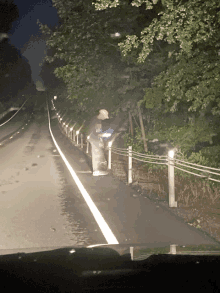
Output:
x,y
100,173
103,173
95,173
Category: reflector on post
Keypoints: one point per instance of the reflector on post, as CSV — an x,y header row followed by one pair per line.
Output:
x,y
171,154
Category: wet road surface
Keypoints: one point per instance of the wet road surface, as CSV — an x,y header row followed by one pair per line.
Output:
x,y
38,204
132,219
42,206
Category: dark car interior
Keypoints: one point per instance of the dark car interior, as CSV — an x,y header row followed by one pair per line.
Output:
x,y
99,270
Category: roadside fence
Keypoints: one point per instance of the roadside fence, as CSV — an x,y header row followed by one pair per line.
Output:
x,y
79,140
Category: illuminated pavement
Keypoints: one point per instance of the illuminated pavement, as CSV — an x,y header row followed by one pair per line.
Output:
x,y
38,203
132,218
41,205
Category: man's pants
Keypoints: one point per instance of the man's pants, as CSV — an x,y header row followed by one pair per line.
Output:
x,y
98,158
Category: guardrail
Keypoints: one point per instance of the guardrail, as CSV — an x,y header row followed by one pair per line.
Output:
x,y
168,160
3,114
12,109
14,133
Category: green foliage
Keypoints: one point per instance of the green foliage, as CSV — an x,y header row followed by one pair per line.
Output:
x,y
153,98
136,142
83,42
93,67
137,146
194,82
191,30
103,4
170,64
198,158
181,134
152,167
186,23
208,156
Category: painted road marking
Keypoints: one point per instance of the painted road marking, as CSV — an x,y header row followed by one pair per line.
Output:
x,y
83,171
106,231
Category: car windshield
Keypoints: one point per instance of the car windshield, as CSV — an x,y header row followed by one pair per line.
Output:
x,y
146,173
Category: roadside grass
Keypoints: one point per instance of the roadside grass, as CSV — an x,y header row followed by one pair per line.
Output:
x,y
188,190
198,201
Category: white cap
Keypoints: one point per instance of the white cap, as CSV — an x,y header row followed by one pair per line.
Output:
x,y
104,113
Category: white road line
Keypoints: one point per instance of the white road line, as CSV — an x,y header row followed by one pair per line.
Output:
x,y
83,172
106,231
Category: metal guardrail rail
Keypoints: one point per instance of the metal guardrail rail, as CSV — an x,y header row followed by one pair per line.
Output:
x,y
11,109
169,160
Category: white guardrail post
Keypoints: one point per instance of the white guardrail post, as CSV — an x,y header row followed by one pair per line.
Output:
x,y
172,202
72,132
109,155
87,148
69,131
77,137
81,141
77,133
129,164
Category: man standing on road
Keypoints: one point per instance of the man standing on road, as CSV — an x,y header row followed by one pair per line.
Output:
x,y
99,163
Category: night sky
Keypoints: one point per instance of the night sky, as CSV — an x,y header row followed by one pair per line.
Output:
x,y
26,34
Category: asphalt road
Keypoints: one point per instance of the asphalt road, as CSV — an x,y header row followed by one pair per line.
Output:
x,y
41,205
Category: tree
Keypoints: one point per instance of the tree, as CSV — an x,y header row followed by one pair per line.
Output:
x,y
8,14
15,72
188,32
194,27
92,58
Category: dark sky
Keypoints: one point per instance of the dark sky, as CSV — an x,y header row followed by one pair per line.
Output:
x,y
26,34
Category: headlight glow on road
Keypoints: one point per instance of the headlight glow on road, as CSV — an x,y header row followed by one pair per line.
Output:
x,y
106,231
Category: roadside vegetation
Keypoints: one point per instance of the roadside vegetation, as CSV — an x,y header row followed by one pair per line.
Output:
x,y
157,61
